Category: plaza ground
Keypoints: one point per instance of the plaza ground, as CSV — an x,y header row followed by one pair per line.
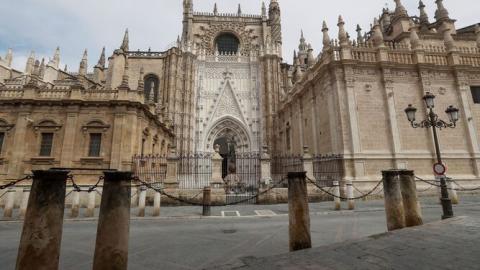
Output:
x,y
181,239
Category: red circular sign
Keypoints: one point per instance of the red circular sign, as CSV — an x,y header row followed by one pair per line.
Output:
x,y
439,169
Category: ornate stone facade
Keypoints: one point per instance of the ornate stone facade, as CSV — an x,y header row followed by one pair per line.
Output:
x,y
225,79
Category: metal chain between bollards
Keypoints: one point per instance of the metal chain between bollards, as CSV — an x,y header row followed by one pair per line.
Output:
x,y
90,189
456,189
15,182
344,198
161,191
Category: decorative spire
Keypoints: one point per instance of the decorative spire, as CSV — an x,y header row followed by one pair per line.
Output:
x,y
55,61
303,45
264,10
30,63
342,35
377,34
9,57
298,73
448,39
414,39
477,32
41,71
125,77
441,13
360,39
101,61
65,69
36,68
386,20
215,9
125,42
424,22
326,37
141,82
83,64
310,57
239,12
400,10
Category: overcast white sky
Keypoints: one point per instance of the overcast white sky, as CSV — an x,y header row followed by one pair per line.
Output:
x,y
74,25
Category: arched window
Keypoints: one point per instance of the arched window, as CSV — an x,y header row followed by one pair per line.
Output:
x,y
151,85
227,44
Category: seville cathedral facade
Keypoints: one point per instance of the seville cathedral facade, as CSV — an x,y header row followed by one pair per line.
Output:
x,y
225,83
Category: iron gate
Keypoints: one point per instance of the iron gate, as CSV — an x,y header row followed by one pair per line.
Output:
x,y
194,171
242,182
282,165
328,168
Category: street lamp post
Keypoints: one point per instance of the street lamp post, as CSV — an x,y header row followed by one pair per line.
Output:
x,y
435,123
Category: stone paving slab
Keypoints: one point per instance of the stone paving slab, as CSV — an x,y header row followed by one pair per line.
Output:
x,y
449,244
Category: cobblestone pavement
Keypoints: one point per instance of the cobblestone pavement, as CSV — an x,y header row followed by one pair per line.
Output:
x,y
450,244
182,240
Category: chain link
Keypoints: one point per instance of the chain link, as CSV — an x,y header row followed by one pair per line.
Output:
x,y
456,189
343,198
189,202
90,189
13,183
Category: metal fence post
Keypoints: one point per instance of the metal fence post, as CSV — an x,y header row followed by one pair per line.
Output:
x,y
394,209
24,203
413,216
9,204
111,247
42,227
207,201
298,212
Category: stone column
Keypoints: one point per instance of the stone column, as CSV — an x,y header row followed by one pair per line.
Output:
x,y
217,180
393,200
298,212
156,204
413,216
90,212
75,204
336,198
9,203
265,167
24,203
42,228
351,202
111,247
171,180
141,201
308,163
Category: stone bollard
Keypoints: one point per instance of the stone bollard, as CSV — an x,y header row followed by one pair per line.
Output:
x,y
75,204
298,212
141,201
156,204
351,202
336,198
111,247
90,212
24,203
207,201
452,190
42,227
9,204
408,187
134,196
393,200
